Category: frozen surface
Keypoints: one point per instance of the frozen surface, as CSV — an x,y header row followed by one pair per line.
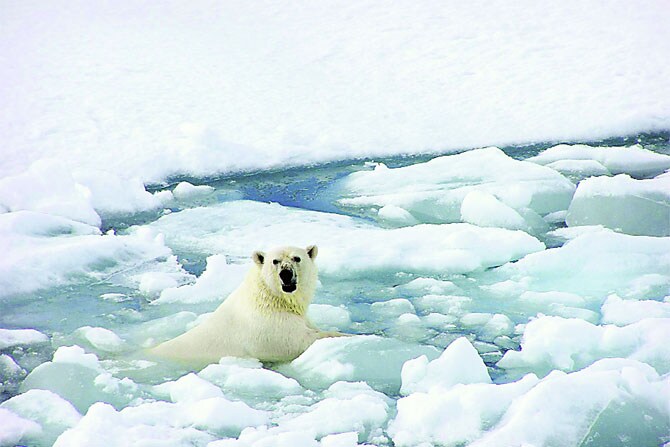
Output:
x,y
569,344
640,207
483,186
238,228
478,319
593,161
148,91
10,338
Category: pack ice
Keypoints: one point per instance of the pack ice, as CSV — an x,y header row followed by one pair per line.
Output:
x,y
484,187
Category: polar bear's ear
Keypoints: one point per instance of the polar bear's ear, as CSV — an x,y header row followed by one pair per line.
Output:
x,y
312,251
258,258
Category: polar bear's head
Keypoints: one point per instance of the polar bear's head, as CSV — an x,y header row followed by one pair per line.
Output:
x,y
288,270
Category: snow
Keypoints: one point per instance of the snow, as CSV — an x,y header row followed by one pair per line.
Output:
x,y
638,207
436,191
635,161
237,228
134,89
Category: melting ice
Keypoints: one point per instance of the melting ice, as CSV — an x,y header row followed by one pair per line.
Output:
x,y
485,292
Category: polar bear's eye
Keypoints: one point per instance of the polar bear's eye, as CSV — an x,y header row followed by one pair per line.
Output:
x,y
296,258
275,261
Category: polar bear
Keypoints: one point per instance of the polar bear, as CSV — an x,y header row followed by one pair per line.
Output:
x,y
264,318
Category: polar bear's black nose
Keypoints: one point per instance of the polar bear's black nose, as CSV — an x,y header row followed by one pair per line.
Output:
x,y
286,275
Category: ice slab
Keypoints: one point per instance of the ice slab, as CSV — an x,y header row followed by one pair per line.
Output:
x,y
218,280
453,416
627,397
593,265
587,160
459,363
103,425
372,359
53,414
14,428
14,337
622,312
247,378
569,344
455,187
78,377
41,259
238,228
638,207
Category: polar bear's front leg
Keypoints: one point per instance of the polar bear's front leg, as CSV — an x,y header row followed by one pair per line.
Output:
x,y
326,334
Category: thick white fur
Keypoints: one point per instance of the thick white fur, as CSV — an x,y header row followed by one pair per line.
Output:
x,y
258,319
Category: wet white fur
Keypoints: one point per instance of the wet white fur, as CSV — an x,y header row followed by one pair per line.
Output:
x,y
258,319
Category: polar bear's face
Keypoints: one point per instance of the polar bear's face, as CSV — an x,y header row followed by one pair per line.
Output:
x,y
288,269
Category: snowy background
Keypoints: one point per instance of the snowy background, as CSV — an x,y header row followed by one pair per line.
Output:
x,y
514,296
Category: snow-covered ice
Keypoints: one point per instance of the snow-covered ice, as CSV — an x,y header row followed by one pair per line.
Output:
x,y
501,287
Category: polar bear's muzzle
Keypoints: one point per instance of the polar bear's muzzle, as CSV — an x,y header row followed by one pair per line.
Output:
x,y
288,280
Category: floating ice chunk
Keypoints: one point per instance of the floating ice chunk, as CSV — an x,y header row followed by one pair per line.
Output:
x,y
569,344
392,308
114,195
429,286
594,264
453,416
188,388
79,378
103,425
218,280
101,338
360,412
48,187
639,207
483,209
396,216
444,304
434,191
214,414
237,228
51,261
187,191
367,358
53,413
164,328
459,363
247,377
632,160
627,397
31,223
327,317
14,428
348,439
14,337
623,312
